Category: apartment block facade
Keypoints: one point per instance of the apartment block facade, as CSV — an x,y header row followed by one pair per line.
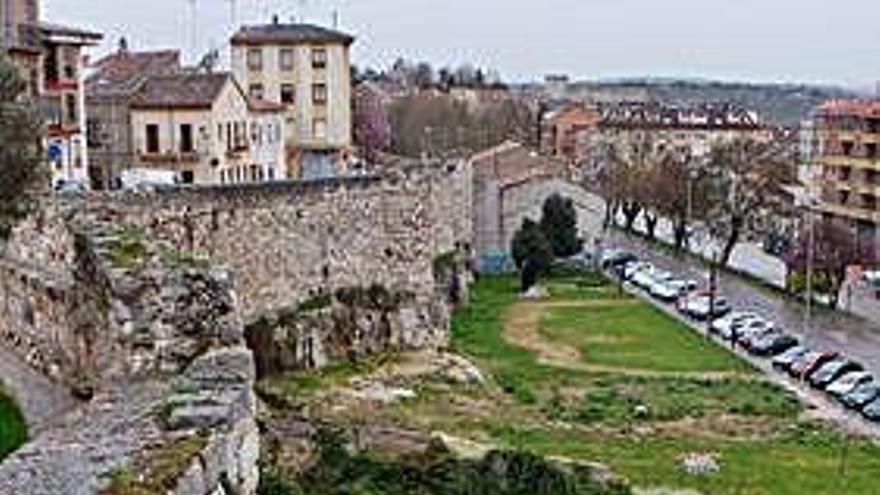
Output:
x,y
307,70
847,162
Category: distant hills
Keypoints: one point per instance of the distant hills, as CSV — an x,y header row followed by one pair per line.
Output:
x,y
783,104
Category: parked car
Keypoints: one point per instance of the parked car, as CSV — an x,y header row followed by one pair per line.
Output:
x,y
729,319
745,332
823,376
628,270
644,277
809,363
858,397
772,344
71,187
846,383
616,257
658,279
702,307
872,410
674,288
784,361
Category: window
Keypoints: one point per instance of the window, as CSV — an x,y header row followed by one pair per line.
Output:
x,y
186,138
152,138
319,58
70,108
319,128
288,93
286,61
255,59
256,91
319,94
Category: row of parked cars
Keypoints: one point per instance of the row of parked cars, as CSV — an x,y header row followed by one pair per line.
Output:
x,y
842,378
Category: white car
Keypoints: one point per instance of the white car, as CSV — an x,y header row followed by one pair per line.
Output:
x,y
658,279
724,325
672,289
702,307
848,382
644,277
630,270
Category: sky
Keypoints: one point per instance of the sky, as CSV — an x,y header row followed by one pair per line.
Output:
x,y
812,41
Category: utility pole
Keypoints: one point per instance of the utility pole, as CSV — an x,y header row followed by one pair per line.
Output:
x,y
713,284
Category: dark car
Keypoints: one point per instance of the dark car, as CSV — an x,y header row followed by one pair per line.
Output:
x,y
861,395
785,360
872,410
810,362
618,258
824,375
773,344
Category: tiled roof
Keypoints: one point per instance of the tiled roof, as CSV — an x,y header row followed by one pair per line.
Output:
x,y
124,71
855,108
188,90
289,33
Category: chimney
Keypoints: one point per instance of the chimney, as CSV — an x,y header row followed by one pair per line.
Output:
x,y
275,19
335,19
123,45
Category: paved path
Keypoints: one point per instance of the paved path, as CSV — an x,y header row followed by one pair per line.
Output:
x,y
41,400
829,330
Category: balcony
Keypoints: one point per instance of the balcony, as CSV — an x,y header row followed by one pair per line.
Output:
x,y
169,157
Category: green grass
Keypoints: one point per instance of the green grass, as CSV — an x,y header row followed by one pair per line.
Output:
x,y
750,424
13,428
637,336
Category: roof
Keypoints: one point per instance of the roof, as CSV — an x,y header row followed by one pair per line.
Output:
x,y
279,33
185,90
85,37
123,71
854,108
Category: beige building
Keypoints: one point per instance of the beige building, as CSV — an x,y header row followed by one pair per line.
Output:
x,y
205,128
306,69
20,38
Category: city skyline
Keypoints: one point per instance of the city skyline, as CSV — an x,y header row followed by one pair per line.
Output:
x,y
750,40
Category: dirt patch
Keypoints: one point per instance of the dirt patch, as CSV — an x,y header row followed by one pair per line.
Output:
x,y
521,324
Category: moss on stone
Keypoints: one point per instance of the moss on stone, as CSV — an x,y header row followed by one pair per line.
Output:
x,y
184,259
444,263
162,469
128,247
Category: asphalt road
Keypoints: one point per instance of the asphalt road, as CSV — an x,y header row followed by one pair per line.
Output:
x,y
828,330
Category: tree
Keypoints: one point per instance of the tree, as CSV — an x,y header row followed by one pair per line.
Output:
x,y
372,129
532,252
629,161
745,188
834,248
559,224
679,192
21,168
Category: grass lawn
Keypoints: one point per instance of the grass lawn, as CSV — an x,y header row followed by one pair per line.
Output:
x,y
13,429
752,426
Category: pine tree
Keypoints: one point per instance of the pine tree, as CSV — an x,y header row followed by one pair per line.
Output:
x,y
559,224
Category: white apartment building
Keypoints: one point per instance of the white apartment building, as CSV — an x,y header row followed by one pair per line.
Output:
x,y
204,127
306,69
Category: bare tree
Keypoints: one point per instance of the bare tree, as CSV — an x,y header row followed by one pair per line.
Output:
x,y
745,188
829,250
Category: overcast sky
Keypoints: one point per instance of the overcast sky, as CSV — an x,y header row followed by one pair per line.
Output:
x,y
834,41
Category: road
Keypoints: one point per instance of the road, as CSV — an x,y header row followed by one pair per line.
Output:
x,y
857,338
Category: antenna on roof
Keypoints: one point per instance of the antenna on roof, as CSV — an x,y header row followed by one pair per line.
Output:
x,y
194,27
233,13
336,19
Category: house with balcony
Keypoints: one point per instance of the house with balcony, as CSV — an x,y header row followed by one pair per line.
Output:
x,y
204,127
306,69
846,184
63,100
